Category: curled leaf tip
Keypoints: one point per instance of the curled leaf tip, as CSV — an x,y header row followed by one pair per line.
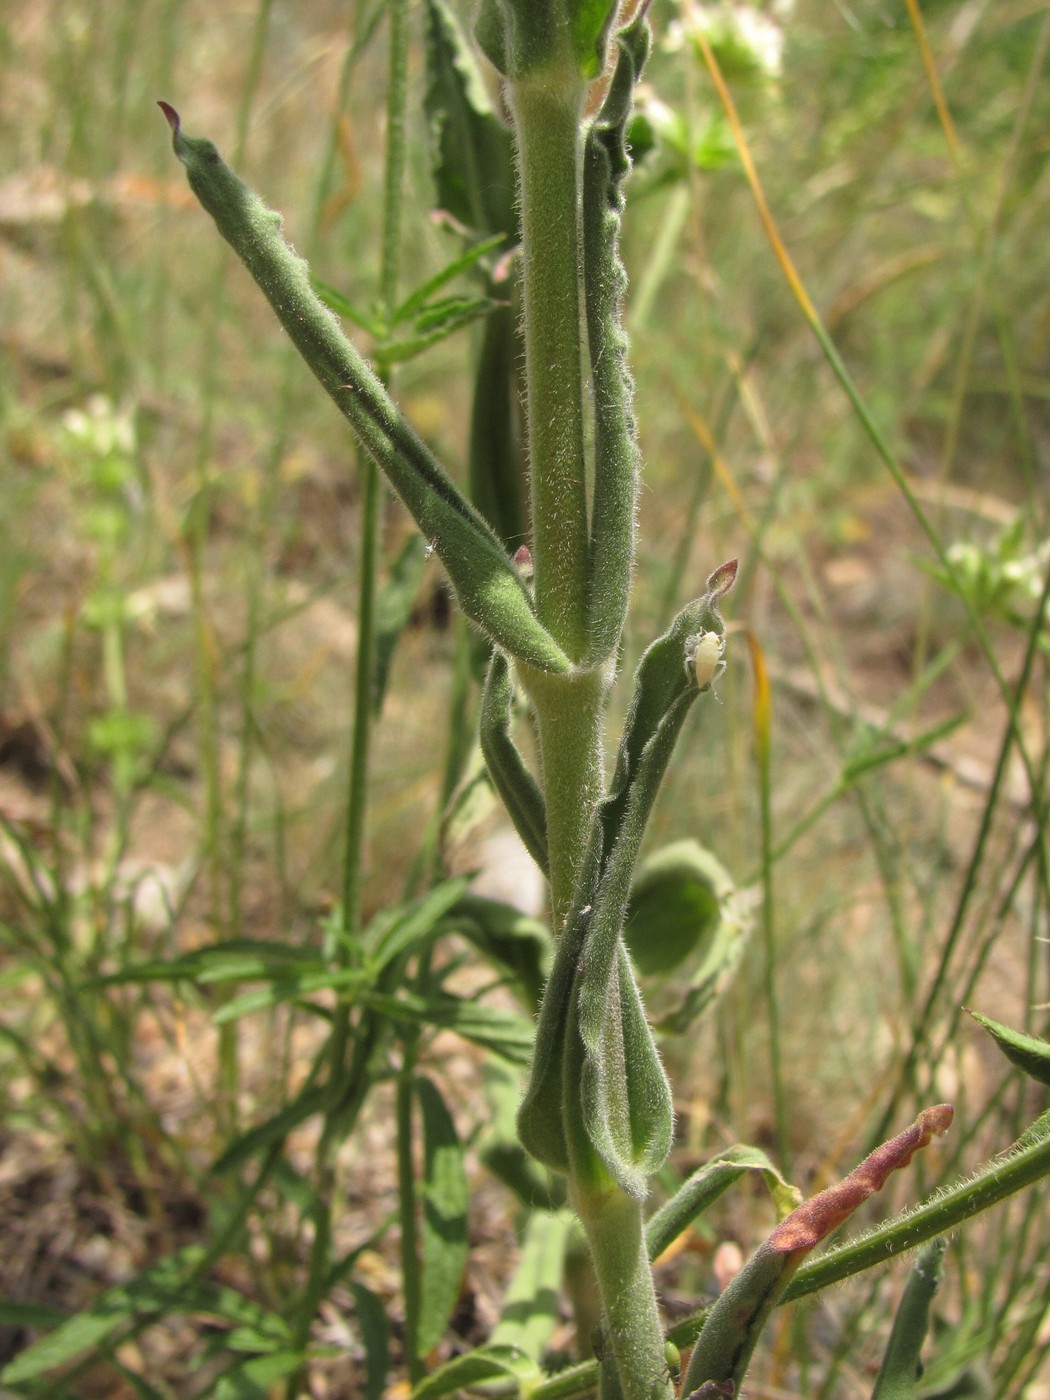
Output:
x,y
174,120
815,1219
722,580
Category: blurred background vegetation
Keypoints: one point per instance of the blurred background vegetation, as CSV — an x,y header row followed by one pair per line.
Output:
x,y
177,623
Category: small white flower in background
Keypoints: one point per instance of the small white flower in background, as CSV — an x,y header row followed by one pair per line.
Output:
x,y
743,27
101,427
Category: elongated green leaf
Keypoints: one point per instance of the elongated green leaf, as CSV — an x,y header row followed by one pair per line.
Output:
x,y
541,1116
407,928
375,1336
348,982
617,459
488,587
502,1152
419,301
255,1379
509,773
472,157
901,1365
585,965
71,1339
531,1303
445,1197
705,1186
624,1093
437,324
485,1364
163,1289
1025,1051
274,1129
504,1032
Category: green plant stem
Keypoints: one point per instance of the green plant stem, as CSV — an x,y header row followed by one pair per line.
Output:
x,y
615,1233
547,107
394,169
406,1193
569,721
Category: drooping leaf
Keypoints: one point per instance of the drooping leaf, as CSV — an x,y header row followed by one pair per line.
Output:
x,y
591,992
500,1149
509,773
484,1364
624,1094
443,1237
706,1185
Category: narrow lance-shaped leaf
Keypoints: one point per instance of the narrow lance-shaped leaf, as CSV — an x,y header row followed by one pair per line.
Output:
x,y
732,1329
472,162
472,152
488,587
901,1365
705,1186
616,456
444,1234
375,1336
509,773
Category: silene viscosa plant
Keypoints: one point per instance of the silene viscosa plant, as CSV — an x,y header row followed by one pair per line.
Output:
x,y
597,1108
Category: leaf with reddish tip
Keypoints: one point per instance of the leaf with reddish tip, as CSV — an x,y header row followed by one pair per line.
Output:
x,y
724,1347
816,1218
